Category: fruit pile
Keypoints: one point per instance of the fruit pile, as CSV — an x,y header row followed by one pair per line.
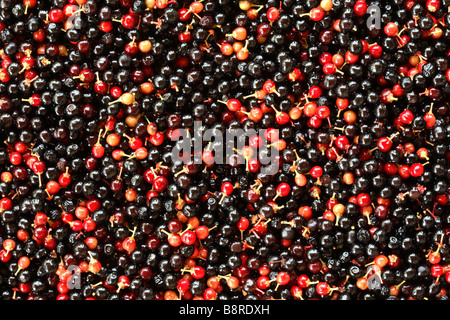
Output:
x,y
352,96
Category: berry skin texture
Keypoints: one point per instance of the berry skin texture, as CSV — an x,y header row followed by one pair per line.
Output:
x,y
335,179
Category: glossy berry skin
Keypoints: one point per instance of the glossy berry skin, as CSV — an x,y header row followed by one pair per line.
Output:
x,y
201,232
322,288
64,180
337,178
391,29
406,117
384,144
188,237
160,183
273,14
198,272
303,281
363,199
227,188
342,142
283,278
129,244
416,170
283,189
98,151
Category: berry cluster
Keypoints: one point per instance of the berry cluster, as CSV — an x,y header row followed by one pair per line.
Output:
x,y
95,93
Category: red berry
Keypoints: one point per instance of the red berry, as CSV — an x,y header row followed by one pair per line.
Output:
x,y
436,270
416,170
360,8
363,200
433,5
316,171
283,189
89,225
283,278
129,244
316,14
391,29
53,187
322,288
202,232
384,144
243,224
15,158
273,14
160,183
227,188
342,142
64,179
98,151
430,120
198,272
188,237
406,117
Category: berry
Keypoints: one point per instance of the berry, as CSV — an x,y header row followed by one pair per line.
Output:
x,y
336,180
